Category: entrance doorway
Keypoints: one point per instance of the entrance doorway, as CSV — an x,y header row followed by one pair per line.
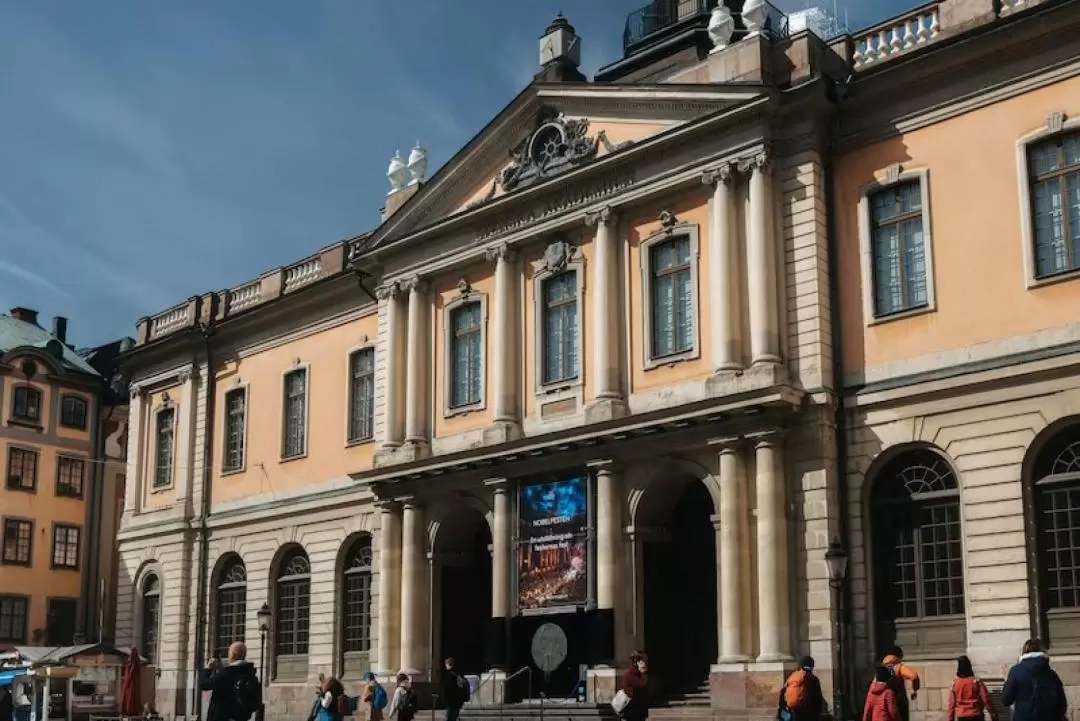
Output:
x,y
464,577
680,592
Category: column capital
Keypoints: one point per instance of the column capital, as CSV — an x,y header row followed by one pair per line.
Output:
x,y
727,444
386,291
602,465
184,376
758,160
498,252
388,506
414,283
720,174
600,216
715,518
768,437
498,485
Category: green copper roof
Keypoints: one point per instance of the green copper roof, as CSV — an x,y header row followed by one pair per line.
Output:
x,y
15,333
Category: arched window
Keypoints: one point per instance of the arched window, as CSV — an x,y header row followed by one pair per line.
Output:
x,y
293,607
230,605
918,554
1056,496
151,617
356,603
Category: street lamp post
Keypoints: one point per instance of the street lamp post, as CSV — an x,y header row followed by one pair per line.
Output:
x,y
836,562
265,617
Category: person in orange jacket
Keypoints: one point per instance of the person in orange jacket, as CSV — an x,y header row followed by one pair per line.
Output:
x,y
901,674
969,700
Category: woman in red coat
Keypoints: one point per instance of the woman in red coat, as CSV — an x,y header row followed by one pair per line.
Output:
x,y
881,701
635,684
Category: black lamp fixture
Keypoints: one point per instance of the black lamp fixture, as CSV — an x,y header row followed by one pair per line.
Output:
x,y
836,564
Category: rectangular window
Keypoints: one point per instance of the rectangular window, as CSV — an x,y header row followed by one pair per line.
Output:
x,y
65,550
897,249
235,419
26,404
18,541
163,458
466,355
672,298
13,611
362,395
1054,174
560,328
22,469
73,412
70,474
295,431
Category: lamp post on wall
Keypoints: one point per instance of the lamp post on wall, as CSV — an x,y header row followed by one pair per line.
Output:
x,y
265,617
836,562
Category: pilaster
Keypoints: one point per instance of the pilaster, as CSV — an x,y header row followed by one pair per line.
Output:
x,y
418,359
133,491
394,433
724,272
607,335
505,337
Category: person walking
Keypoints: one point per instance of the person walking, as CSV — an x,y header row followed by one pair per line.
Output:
x,y
901,674
455,689
404,704
635,684
1032,688
801,698
372,703
881,700
235,694
969,699
7,704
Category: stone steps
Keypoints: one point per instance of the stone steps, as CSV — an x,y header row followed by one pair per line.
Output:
x,y
535,711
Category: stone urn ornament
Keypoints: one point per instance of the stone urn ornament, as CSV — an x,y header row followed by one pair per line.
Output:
x,y
418,164
396,172
721,27
754,15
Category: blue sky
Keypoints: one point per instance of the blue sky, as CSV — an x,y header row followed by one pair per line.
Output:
x,y
154,150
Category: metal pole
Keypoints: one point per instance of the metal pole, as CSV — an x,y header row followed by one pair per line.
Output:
x,y
262,664
839,712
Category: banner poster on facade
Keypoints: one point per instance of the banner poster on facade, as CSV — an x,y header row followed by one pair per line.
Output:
x,y
553,524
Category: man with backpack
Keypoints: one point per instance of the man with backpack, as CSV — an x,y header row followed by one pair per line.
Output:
x,y
405,704
1033,689
235,694
901,674
801,698
455,688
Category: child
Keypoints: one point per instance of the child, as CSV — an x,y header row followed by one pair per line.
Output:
x,y
969,698
881,701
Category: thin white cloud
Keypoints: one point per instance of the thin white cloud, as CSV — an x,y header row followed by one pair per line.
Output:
x,y
28,276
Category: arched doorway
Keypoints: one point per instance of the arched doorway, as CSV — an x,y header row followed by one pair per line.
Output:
x,y
463,575
679,563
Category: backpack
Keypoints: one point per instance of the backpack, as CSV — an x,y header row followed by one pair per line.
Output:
x,y
1046,704
378,698
343,706
410,704
246,696
797,690
466,690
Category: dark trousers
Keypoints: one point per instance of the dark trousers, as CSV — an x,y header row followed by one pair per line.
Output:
x,y
452,712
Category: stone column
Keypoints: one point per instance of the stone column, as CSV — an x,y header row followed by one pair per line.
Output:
x,y
500,573
608,522
394,432
606,303
185,453
734,521
504,335
389,549
417,406
134,481
724,281
774,608
761,263
413,581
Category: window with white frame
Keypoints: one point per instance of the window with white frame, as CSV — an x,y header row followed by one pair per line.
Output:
x,y
1053,167
362,395
235,425
65,546
899,265
671,297
466,355
163,449
294,432
151,617
560,328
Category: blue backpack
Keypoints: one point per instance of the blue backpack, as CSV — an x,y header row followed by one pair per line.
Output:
x,y
378,700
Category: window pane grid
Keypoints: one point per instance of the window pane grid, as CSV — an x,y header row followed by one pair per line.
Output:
x,y
898,250
293,606
70,474
235,415
466,356
17,539
362,395
230,616
163,465
1059,528
22,469
26,403
73,412
295,414
13,611
560,328
65,552
672,298
1054,169
151,618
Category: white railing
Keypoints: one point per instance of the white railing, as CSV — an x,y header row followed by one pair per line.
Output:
x,y
302,274
896,37
168,321
245,296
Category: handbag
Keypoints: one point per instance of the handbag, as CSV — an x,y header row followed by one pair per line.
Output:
x,y
620,702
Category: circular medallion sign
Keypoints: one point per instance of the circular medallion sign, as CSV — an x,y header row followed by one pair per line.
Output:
x,y
549,647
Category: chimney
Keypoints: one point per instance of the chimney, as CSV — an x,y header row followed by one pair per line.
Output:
x,y
26,315
560,53
59,328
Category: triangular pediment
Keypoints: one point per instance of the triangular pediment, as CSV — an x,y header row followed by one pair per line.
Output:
x,y
547,131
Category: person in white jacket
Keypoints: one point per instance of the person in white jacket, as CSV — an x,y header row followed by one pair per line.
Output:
x,y
404,702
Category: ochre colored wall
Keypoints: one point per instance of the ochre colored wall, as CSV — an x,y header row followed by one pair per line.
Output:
x,y
326,355
976,233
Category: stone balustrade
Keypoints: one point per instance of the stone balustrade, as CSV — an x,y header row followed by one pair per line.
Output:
x,y
897,36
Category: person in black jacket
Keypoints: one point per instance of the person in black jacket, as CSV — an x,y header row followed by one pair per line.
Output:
x,y
235,694
455,690
1034,689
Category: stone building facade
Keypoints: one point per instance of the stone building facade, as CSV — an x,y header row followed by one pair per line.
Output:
x,y
589,388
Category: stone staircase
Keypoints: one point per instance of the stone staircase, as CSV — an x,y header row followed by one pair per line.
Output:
x,y
535,711
695,697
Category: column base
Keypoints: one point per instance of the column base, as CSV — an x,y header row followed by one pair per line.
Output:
x,y
601,684
775,657
766,360
497,643
408,451
492,691
742,380
746,689
502,432
606,409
